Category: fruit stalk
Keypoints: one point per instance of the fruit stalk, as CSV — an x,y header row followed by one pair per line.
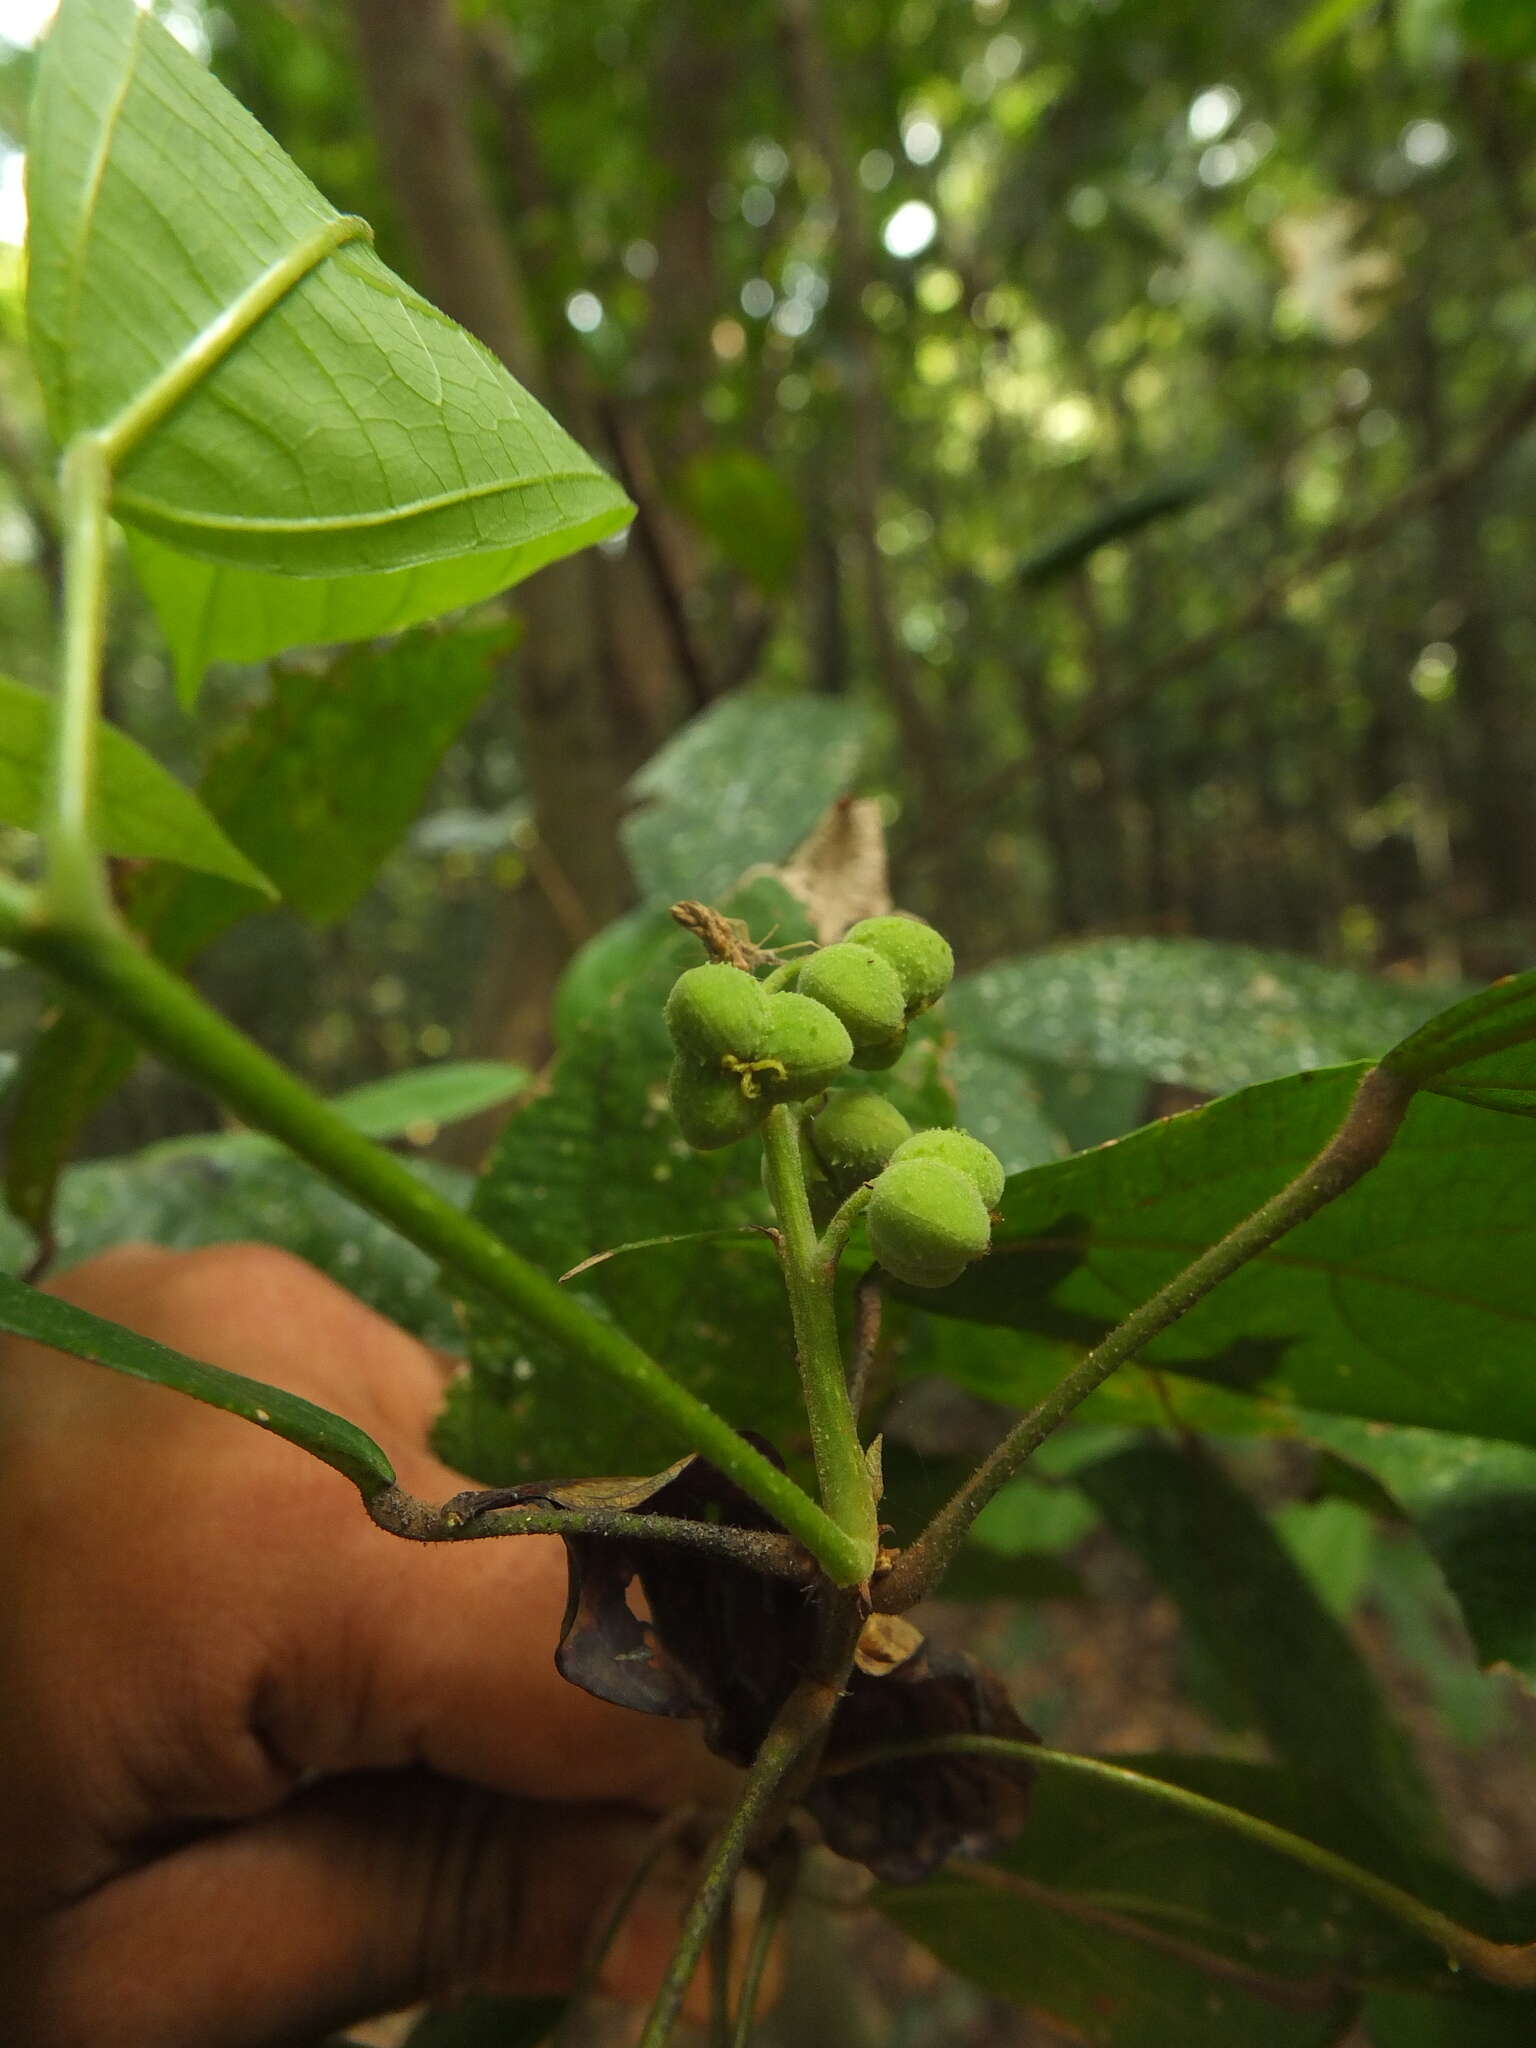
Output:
x,y
846,1492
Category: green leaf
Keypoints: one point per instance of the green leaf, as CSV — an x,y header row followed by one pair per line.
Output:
x,y
1483,1050
1096,1848
1412,1299
743,782
316,785
193,1197
1252,1613
337,1443
211,612
594,1161
1184,1011
1474,1505
391,1108
488,2023
1478,2016
322,779
1068,550
353,429
749,510
142,811
1324,20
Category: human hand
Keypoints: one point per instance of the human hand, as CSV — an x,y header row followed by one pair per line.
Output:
x,y
265,1769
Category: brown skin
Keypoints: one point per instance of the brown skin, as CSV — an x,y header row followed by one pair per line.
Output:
x,y
265,1769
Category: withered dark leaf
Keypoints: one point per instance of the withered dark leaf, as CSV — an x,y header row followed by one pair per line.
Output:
x,y
728,1644
905,1818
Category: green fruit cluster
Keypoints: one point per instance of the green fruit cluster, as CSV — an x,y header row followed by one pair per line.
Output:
x,y
741,1049
882,975
928,1214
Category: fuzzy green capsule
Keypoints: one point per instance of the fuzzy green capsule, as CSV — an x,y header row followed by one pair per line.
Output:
x,y
965,1154
716,1010
856,1135
860,987
924,963
874,1059
710,1108
926,1222
802,1051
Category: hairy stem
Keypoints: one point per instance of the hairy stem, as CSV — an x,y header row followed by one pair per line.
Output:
x,y
110,971
801,1723
459,1521
808,1277
1512,1964
834,1239
779,1890
1362,1139
76,883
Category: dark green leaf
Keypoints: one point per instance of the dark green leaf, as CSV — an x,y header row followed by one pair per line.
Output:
x,y
749,510
1478,2016
318,782
594,1161
321,781
1066,551
1474,1504
1252,1612
210,611
488,2023
337,1443
1483,1050
1412,1299
354,429
142,811
744,782
1185,1011
191,1199
1094,1848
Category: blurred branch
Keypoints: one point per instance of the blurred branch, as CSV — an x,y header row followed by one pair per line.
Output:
x,y
922,738
636,472
1497,437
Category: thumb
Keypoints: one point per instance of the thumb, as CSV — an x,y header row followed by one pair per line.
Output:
x,y
361,1896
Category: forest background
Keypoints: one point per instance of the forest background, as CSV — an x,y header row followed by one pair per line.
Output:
x,y
1107,423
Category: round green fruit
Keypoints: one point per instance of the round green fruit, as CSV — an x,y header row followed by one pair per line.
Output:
x,y
802,1051
874,1059
710,1108
858,986
855,1136
716,1010
924,964
965,1154
926,1222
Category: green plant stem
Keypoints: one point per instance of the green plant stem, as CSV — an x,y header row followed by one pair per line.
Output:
x,y
111,972
834,1239
808,1276
1512,1964
760,1550
75,878
778,1891
1371,1123
76,884
800,1723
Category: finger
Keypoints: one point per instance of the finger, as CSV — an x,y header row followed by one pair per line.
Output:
x,y
363,1896
362,1651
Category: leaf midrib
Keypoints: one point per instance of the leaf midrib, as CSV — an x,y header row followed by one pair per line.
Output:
x,y
131,502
